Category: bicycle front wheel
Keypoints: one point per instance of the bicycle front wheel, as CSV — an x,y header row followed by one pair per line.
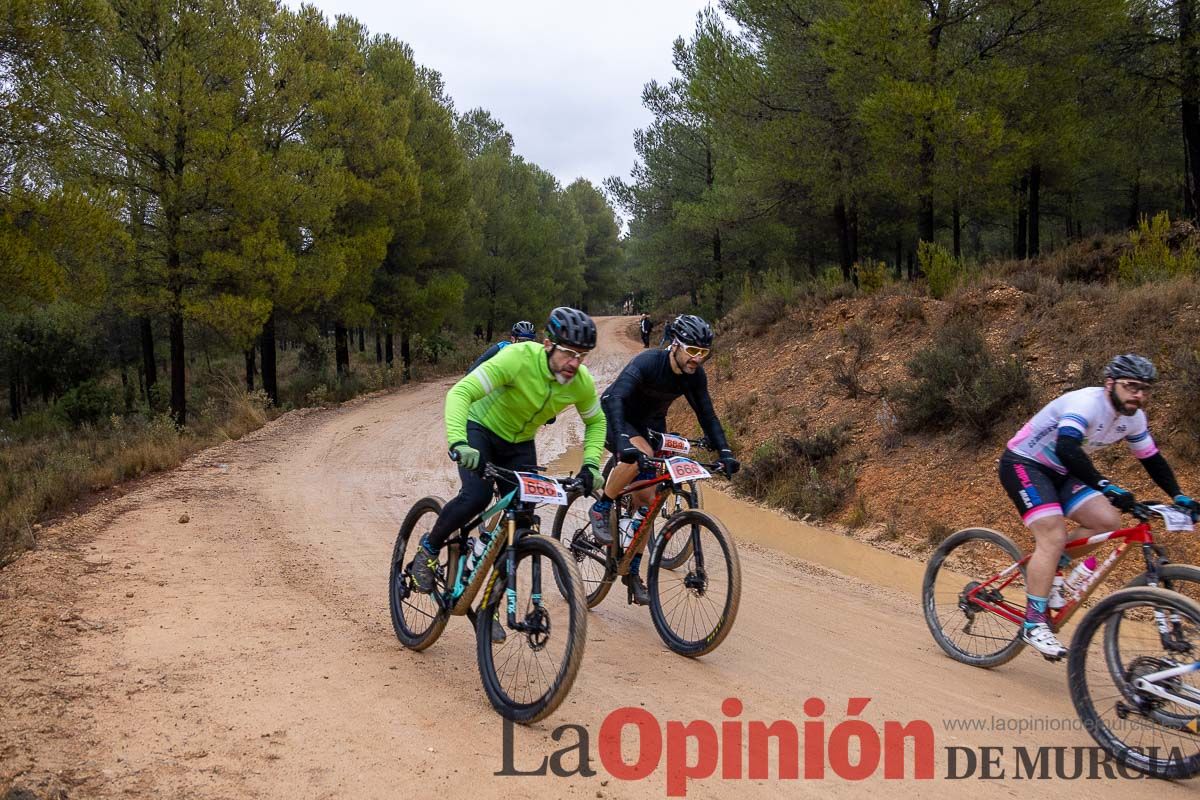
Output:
x,y
417,618
694,605
1140,700
963,583
573,529
528,674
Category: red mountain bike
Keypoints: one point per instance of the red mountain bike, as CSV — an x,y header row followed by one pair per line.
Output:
x,y
694,577
973,594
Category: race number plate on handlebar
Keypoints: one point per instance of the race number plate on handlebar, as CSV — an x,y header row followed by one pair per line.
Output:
x,y
684,469
1175,519
537,489
670,443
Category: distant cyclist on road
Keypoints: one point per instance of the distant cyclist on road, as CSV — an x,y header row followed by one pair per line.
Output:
x,y
494,412
522,331
637,402
1047,473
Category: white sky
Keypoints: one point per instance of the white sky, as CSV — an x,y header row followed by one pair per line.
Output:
x,y
564,77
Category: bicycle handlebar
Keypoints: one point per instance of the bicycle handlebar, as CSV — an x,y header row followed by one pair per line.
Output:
x,y
1143,513
717,467
569,483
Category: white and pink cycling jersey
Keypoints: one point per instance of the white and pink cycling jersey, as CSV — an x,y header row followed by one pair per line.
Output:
x,y
1090,413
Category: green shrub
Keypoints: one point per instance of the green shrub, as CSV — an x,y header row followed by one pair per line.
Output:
x,y
1150,258
941,269
89,402
957,384
801,474
872,276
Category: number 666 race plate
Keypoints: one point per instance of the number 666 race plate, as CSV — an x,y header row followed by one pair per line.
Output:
x,y
684,469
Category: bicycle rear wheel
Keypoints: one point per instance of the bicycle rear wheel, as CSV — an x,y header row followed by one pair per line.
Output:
x,y
963,627
694,605
528,675
417,618
1150,726
573,529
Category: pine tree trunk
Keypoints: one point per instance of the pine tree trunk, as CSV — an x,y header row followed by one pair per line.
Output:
x,y
389,355
148,365
718,272
250,368
925,218
1135,202
899,257
1035,204
956,224
14,392
178,363
362,342
378,347
341,349
406,354
842,223
266,343
1022,219
1190,101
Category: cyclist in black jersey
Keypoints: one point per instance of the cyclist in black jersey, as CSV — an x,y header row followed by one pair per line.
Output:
x,y
637,402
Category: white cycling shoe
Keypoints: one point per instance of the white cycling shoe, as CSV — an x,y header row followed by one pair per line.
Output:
x,y
1042,639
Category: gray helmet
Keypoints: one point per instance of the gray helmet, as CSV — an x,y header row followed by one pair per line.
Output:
x,y
1131,366
690,329
524,330
571,327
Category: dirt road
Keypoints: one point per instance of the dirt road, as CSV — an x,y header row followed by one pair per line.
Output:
x,y
247,652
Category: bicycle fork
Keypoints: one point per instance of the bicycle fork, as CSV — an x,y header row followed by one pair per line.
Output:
x,y
536,622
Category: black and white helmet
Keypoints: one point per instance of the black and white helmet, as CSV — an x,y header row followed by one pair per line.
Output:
x,y
571,327
690,329
524,330
1131,366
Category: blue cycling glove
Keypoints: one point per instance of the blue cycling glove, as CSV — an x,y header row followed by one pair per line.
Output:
x,y
1121,498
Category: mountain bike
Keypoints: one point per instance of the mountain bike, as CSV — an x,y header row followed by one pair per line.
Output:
x,y
1134,674
528,658
973,594
693,598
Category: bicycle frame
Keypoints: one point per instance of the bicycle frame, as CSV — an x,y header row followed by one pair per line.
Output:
x,y
1139,534
625,559
462,595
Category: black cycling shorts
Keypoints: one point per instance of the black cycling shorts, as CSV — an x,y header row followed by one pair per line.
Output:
x,y
1038,491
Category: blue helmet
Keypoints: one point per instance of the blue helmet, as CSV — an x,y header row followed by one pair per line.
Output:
x,y
524,330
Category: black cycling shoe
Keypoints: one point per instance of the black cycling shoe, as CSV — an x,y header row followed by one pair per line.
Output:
x,y
638,595
421,570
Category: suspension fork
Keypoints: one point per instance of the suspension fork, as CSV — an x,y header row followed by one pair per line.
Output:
x,y
1170,626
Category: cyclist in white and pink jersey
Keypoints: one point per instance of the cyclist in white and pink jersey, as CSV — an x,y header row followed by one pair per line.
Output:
x,y
1048,475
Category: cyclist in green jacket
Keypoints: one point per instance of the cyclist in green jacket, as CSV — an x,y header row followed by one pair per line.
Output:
x,y
493,414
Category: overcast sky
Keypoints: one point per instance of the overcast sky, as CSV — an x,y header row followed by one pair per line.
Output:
x,y
564,77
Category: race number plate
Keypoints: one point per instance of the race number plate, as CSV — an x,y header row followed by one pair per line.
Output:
x,y
684,469
670,443
1175,519
537,489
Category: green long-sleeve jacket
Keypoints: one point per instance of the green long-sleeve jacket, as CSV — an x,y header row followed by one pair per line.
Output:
x,y
513,393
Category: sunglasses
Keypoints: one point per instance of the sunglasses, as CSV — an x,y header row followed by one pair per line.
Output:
x,y
1136,388
573,355
693,351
